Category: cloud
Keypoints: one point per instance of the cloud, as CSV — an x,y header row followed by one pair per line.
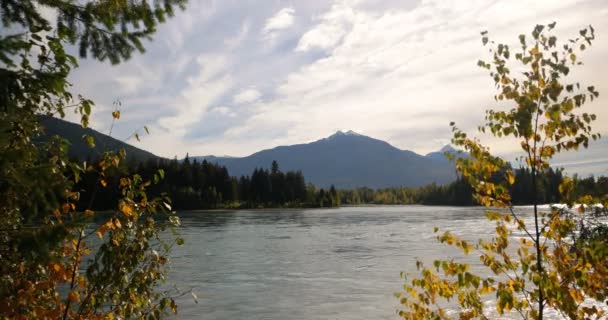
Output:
x,y
247,96
403,75
225,111
129,84
235,41
202,90
331,29
283,19
397,70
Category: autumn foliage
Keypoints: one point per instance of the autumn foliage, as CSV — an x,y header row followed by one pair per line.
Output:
x,y
57,262
561,261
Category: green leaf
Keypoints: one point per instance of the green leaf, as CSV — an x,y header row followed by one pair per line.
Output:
x,y
89,140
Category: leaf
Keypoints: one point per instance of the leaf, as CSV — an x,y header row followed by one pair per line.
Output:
x,y
103,183
126,209
116,114
534,51
74,296
56,267
88,212
510,177
86,107
89,140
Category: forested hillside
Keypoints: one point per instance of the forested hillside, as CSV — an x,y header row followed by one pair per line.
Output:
x,y
74,134
195,183
349,160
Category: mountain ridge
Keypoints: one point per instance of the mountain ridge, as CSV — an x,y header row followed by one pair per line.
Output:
x,y
73,133
347,159
343,159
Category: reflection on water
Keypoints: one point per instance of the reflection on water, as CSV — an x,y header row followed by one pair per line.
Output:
x,y
309,264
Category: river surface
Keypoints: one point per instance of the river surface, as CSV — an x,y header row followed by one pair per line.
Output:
x,y
311,263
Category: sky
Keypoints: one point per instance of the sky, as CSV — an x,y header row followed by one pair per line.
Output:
x,y
232,77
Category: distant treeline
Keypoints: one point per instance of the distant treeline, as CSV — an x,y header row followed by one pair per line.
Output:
x,y
203,185
460,193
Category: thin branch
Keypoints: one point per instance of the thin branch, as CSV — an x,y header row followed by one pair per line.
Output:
x,y
517,219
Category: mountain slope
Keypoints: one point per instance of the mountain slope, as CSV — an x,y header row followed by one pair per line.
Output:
x,y
79,149
348,160
440,155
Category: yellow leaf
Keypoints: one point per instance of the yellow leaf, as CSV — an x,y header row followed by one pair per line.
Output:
x,y
576,294
103,183
126,209
116,114
82,282
88,212
117,223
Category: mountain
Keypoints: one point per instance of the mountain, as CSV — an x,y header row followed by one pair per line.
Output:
x,y
73,133
441,153
346,160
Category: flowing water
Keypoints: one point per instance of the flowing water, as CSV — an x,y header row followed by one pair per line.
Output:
x,y
311,263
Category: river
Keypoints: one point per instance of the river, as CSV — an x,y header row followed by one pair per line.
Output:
x,y
311,263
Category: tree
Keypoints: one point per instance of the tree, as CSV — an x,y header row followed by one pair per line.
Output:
x,y
548,267
43,239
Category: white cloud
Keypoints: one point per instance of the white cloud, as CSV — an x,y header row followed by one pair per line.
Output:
x,y
396,70
403,75
196,98
331,29
225,111
283,19
129,84
235,41
247,96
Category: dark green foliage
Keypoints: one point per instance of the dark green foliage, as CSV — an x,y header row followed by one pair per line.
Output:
x,y
202,185
110,30
460,193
